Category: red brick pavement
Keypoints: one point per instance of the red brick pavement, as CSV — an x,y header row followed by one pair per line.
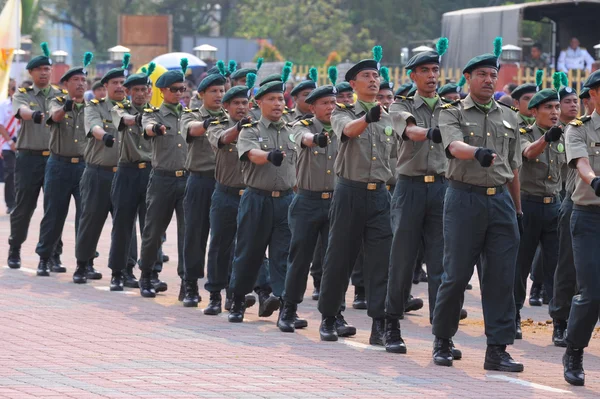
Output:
x,y
60,340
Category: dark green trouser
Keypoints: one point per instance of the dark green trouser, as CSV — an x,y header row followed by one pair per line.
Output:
x,y
540,224
316,268
30,170
163,197
585,309
565,277
417,216
95,205
476,224
262,222
309,221
357,215
60,184
128,196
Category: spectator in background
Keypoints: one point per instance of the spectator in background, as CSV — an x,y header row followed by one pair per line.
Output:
x,y
506,100
186,98
99,90
9,125
508,89
574,58
26,84
287,96
537,59
89,94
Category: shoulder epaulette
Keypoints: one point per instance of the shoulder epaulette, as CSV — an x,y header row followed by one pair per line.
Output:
x,y
94,101
253,123
188,110
64,91
60,99
525,130
580,121
515,109
344,106
25,90
306,122
450,104
219,121
404,98
150,110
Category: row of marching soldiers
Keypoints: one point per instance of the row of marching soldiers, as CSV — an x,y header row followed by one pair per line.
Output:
x,y
475,182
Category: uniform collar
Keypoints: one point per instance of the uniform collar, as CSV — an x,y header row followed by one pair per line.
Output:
x,y
37,90
596,120
266,122
418,101
165,110
206,114
318,125
469,103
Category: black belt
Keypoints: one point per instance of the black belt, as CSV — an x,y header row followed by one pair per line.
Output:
x,y
206,173
43,153
76,159
135,165
550,199
107,168
423,179
316,194
274,194
365,186
587,208
470,188
230,190
170,173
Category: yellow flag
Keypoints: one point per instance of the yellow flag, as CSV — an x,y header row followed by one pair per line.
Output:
x,y
10,40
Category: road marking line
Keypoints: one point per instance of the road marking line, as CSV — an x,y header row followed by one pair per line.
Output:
x,y
527,383
105,288
360,345
25,269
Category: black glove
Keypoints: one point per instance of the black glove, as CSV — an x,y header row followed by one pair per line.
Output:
x,y
244,121
520,223
434,135
37,117
68,107
157,129
108,140
484,156
320,140
275,157
138,119
553,134
596,186
207,122
374,114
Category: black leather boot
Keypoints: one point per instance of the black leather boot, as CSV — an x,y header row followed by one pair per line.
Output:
x,y
287,317
116,281
413,304
146,287
129,279
327,330
393,338
463,314
497,358
214,305
573,365
442,352
377,332
559,333
519,331
342,327
92,273
360,299
250,301
14,257
535,298
267,304
316,291
159,286
43,268
192,297
238,308
80,275
56,265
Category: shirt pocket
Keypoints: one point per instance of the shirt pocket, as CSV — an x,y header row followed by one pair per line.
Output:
x,y
472,134
385,146
594,157
291,152
503,134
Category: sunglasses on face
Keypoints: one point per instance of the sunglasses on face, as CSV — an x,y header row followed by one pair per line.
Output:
x,y
180,89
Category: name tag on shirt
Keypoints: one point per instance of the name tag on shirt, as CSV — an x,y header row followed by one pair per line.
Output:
x,y
592,144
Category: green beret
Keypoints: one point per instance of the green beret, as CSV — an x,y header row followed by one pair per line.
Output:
x,y
212,71
448,88
320,92
543,96
236,92
137,79
113,73
412,91
170,77
304,85
361,66
275,77
240,73
215,79
40,60
523,89
403,88
271,87
97,85
482,61
585,93
72,72
426,57
593,80
566,91
343,87
386,85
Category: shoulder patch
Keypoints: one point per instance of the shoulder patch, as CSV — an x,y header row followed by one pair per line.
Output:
x,y
253,123
344,106
580,121
188,110
525,130
515,109
306,122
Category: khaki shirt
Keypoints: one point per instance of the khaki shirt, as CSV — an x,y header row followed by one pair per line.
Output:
x,y
34,136
264,135
583,141
421,158
98,113
365,158
541,176
67,137
196,102
134,148
228,170
315,164
168,151
572,173
497,130
200,157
